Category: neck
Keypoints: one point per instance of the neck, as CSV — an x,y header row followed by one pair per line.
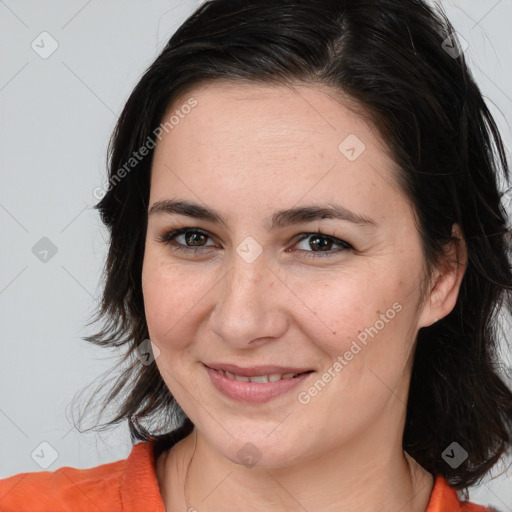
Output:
x,y
358,476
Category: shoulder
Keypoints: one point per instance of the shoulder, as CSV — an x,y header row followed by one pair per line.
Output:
x,y
66,487
113,486
444,498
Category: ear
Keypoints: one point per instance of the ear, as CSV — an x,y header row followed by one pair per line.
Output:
x,y
446,280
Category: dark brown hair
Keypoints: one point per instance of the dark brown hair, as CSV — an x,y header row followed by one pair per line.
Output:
x,y
393,59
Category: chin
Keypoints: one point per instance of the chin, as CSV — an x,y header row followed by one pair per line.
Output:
x,y
256,448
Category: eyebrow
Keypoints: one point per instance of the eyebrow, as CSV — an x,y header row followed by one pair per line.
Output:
x,y
280,219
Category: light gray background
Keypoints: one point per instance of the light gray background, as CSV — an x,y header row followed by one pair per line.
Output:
x,y
56,117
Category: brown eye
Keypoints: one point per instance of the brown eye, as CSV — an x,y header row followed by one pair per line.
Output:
x,y
317,245
195,238
186,239
320,243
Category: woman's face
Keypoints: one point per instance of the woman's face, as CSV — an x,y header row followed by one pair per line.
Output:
x,y
249,288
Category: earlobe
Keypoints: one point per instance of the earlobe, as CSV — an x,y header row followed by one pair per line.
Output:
x,y
446,281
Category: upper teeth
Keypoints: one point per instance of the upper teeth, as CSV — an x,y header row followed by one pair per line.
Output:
x,y
258,378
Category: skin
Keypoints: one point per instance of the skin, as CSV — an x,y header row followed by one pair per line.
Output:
x,y
247,151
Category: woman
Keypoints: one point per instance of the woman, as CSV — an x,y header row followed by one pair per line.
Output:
x,y
307,258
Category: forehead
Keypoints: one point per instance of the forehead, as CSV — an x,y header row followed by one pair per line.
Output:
x,y
287,123
260,143
302,115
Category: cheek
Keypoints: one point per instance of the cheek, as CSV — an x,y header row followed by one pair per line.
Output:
x,y
373,340
369,352
171,299
171,302
349,310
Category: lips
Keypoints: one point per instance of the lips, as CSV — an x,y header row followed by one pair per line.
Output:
x,y
257,370
256,384
272,377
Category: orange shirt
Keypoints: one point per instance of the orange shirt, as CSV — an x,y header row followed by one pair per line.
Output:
x,y
130,485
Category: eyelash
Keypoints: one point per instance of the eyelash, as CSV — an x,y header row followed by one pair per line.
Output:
x,y
168,239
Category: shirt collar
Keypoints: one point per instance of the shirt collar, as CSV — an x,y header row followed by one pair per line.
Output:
x,y
443,498
139,485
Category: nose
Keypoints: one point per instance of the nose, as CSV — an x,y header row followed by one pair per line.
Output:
x,y
250,307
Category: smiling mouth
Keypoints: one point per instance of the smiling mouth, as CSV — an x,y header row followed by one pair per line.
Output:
x,y
256,384
271,377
